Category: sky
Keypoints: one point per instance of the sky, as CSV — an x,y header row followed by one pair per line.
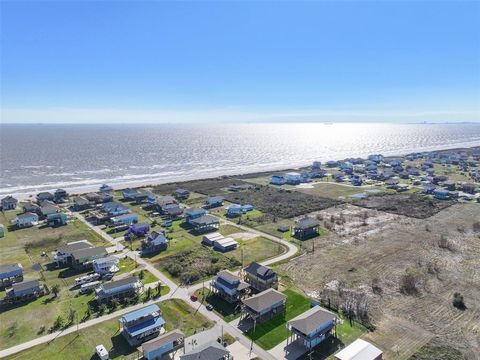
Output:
x,y
231,61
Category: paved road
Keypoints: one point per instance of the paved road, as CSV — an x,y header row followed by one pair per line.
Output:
x,y
177,292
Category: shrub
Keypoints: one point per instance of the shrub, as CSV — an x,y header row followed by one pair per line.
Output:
x,y
458,301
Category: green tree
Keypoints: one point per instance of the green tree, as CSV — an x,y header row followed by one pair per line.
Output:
x,y
55,290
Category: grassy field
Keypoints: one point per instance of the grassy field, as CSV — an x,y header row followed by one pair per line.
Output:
x,y
333,191
256,249
274,331
177,314
147,277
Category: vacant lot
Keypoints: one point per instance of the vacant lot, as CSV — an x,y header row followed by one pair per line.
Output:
x,y
280,203
401,273
333,191
213,186
414,205
177,314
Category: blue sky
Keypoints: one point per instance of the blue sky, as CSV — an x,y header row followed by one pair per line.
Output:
x,y
127,61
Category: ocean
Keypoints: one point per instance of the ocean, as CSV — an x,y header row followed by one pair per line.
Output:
x,y
81,157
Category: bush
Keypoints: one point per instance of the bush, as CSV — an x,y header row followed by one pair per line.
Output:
x,y
458,301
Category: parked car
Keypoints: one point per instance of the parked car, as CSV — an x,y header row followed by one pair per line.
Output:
x,y
209,307
193,297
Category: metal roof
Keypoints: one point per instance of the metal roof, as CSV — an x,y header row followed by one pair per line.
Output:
x,y
359,350
312,319
264,300
134,315
209,351
162,340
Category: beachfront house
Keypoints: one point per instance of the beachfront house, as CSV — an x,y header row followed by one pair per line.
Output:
x,y
126,219
156,241
263,306
26,220
277,180
205,223
125,288
105,188
57,219
80,203
93,197
24,290
83,258
10,274
293,178
106,265
377,158
9,203
213,202
181,194
63,255
142,325
194,213
306,228
260,277
311,327
211,350
359,349
60,195
229,286
45,196
316,165
138,195
331,163
163,345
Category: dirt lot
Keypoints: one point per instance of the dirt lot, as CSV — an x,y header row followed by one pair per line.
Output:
x,y
412,205
211,187
401,273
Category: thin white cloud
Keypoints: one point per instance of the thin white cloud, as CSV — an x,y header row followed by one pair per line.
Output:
x,y
94,115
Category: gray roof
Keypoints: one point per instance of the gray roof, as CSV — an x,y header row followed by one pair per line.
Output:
x,y
82,244
87,252
9,268
9,199
264,300
117,283
205,220
162,340
27,215
25,285
306,223
209,351
227,275
312,319
259,270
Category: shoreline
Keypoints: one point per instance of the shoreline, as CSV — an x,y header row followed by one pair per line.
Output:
x,y
78,190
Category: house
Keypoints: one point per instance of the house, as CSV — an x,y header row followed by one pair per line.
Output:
x,y
225,244
356,180
10,274
205,224
142,325
260,277
441,194
213,202
156,241
105,189
45,195
115,209
25,290
306,228
9,203
402,187
163,345
30,207
247,208
234,210
316,165
469,188
181,194
392,183
126,219
83,258
429,189
106,265
375,158
293,178
450,185
311,327
57,219
263,306
163,201
209,239
129,194
139,196
80,203
126,287
26,220
63,255
49,209
174,211
138,230
60,194
93,197
331,164
283,228
229,286
359,350
210,351
277,180
194,213
2,231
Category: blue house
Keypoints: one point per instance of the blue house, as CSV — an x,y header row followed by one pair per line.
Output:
x,y
115,209
129,194
312,327
346,165
26,220
126,219
332,163
441,194
293,178
356,180
213,201
141,325
138,229
10,274
277,180
429,189
375,158
57,219
247,208
194,213
156,241
162,345
234,210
